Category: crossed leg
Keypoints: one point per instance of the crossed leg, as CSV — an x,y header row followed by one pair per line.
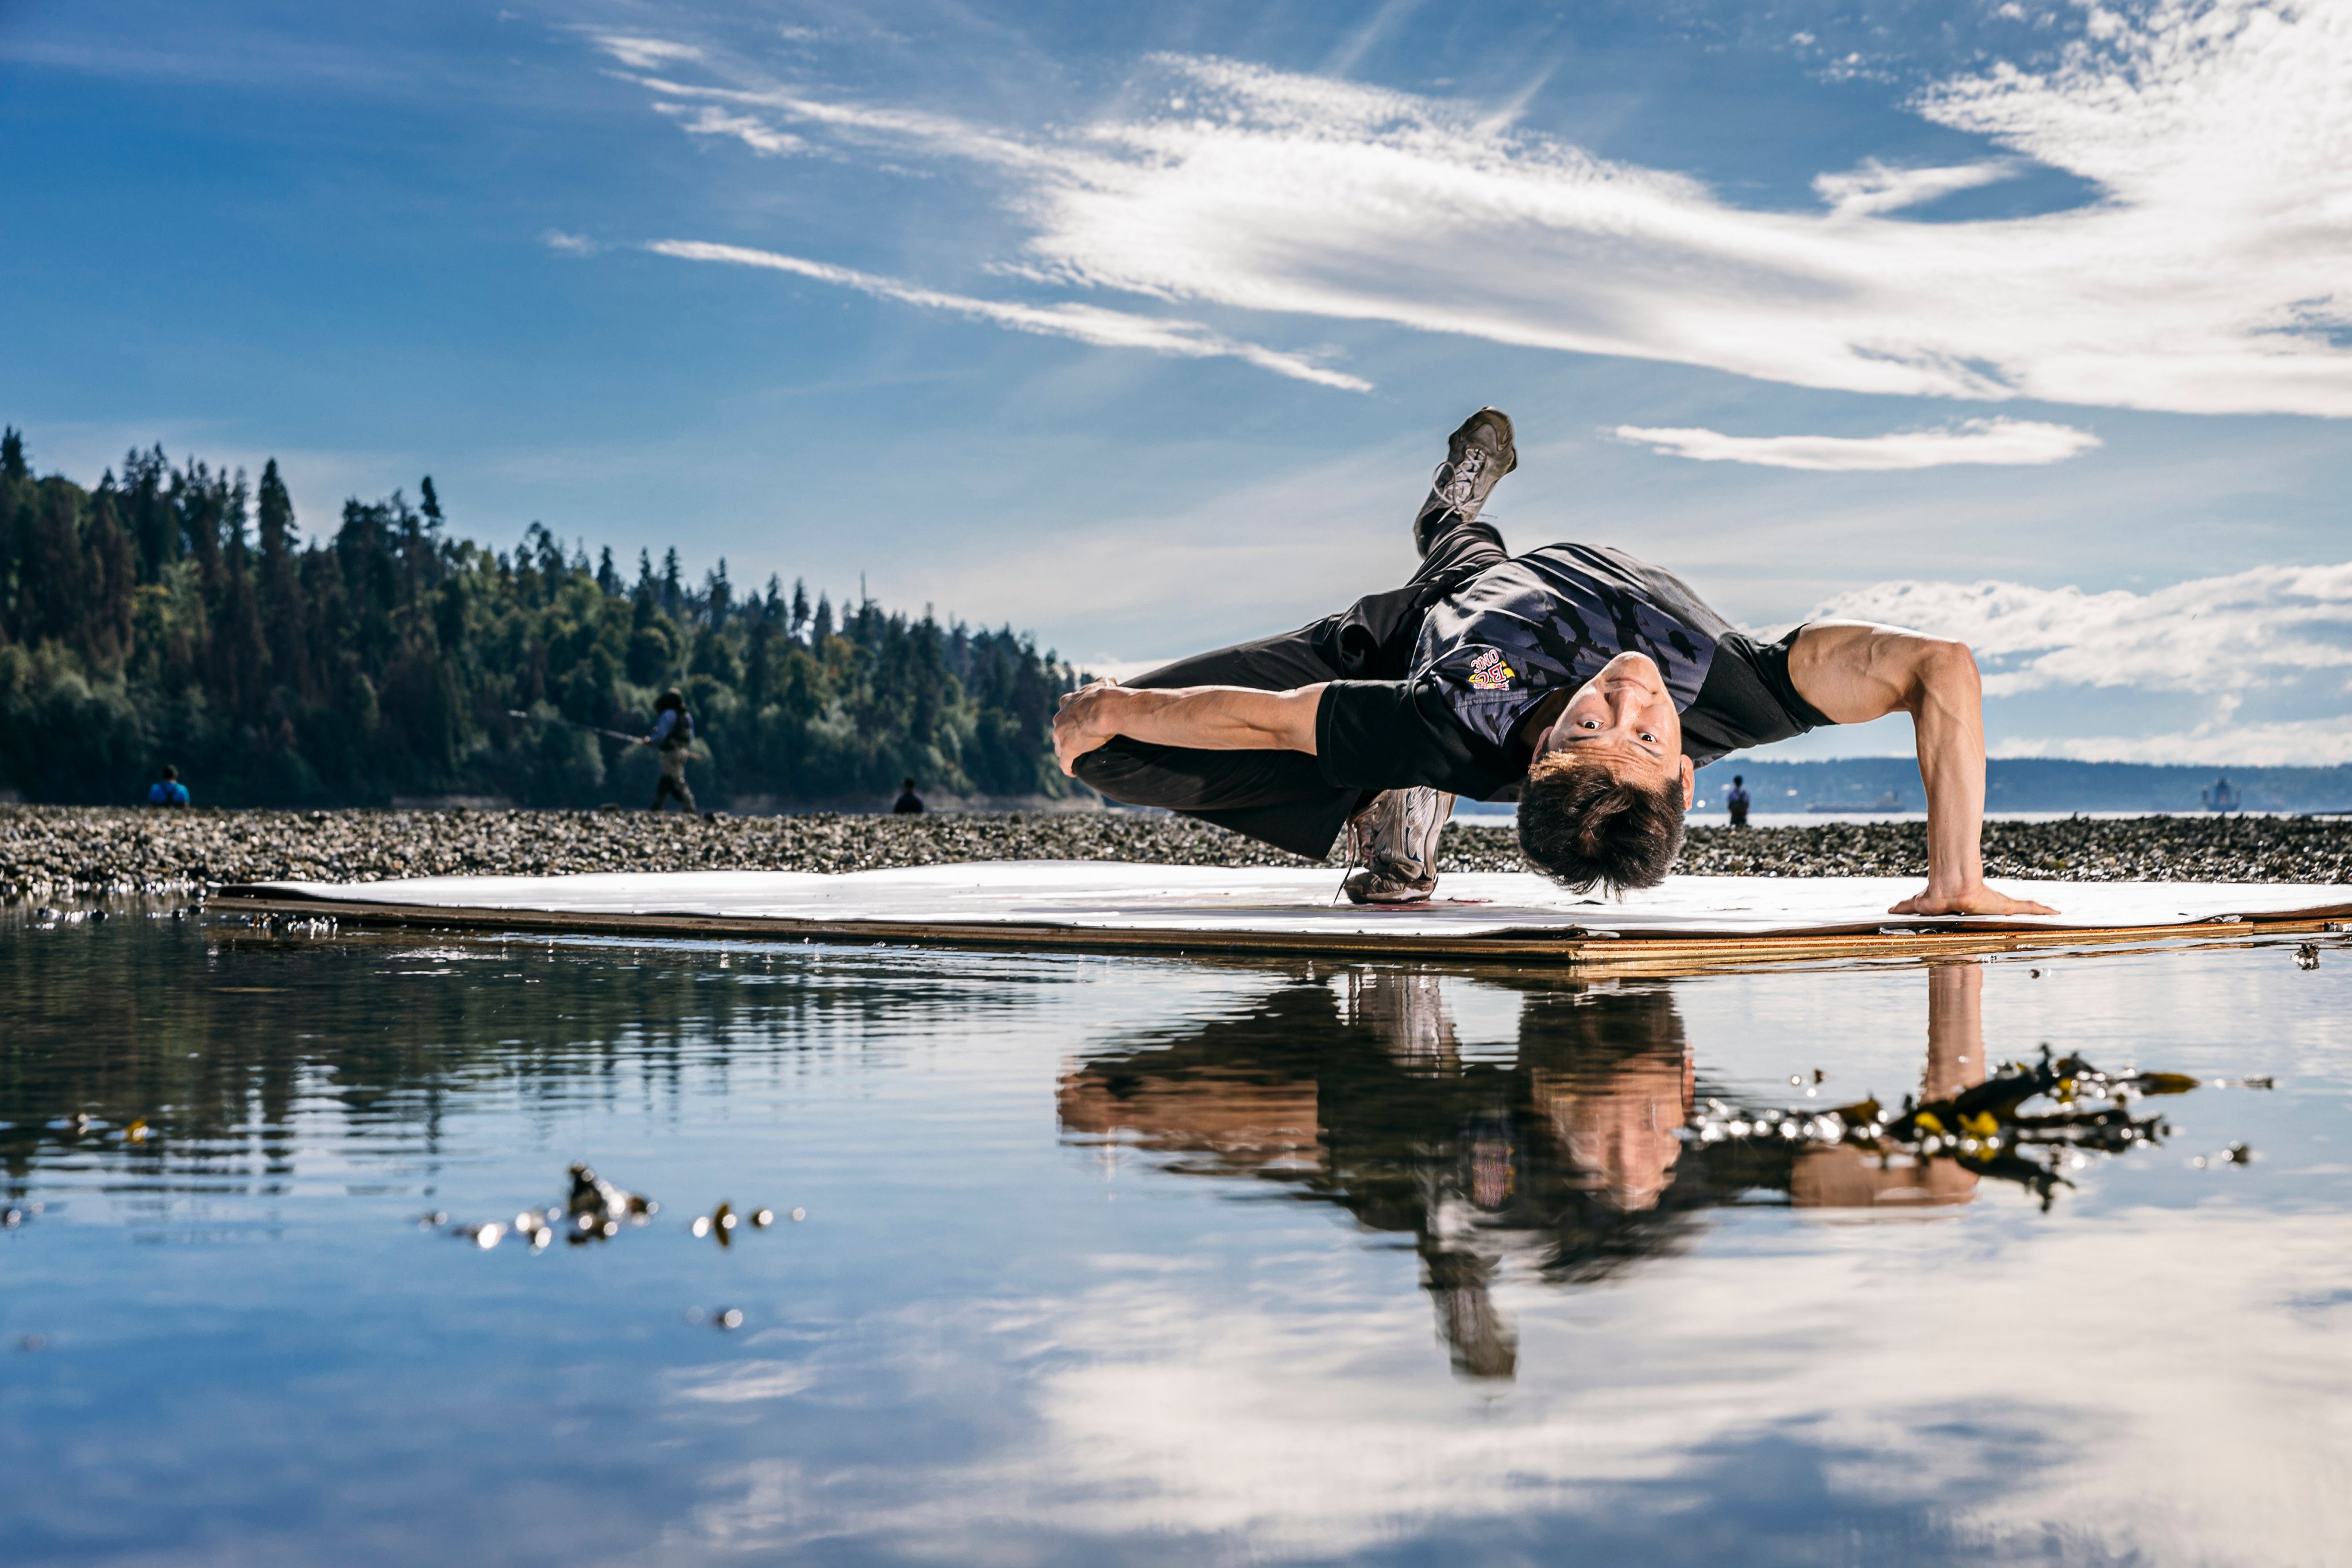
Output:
x,y
1282,797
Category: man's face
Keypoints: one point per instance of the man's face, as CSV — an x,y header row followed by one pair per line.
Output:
x,y
1624,718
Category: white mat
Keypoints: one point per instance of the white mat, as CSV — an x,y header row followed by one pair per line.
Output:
x,y
1095,895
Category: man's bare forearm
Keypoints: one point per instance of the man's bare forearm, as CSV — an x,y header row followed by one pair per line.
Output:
x,y
1948,726
1204,717
1212,718
1853,672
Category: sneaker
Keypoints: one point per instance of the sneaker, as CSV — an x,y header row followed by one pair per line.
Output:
x,y
1392,845
1476,456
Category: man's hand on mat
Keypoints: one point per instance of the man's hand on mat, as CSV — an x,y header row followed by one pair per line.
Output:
x,y
1076,730
1978,900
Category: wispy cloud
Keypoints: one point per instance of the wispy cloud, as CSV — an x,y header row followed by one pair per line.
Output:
x,y
708,119
569,244
2269,627
1086,324
1876,187
639,53
2289,744
2214,274
1994,441
1375,29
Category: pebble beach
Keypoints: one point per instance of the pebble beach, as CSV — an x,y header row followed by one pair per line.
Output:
x,y
51,852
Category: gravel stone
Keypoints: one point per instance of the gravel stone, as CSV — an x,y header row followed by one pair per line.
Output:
x,y
47,852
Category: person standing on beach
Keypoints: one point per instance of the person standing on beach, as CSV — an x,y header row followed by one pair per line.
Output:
x,y
673,737
909,803
168,790
1736,802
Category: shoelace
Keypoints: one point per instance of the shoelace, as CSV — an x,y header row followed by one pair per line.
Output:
x,y
1457,489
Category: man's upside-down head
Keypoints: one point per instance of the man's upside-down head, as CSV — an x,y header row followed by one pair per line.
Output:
x,y
1605,796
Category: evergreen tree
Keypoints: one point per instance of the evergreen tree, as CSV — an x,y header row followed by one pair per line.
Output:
x,y
283,611
718,593
146,617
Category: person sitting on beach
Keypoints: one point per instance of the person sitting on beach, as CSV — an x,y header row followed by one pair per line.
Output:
x,y
1586,684
673,736
909,803
168,790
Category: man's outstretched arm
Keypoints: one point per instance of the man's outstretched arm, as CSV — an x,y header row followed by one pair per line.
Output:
x,y
1206,717
1855,672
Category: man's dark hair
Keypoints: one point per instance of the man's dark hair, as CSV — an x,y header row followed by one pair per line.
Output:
x,y
170,772
1585,828
673,698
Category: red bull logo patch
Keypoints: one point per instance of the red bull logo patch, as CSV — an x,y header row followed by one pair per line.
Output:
x,y
1489,672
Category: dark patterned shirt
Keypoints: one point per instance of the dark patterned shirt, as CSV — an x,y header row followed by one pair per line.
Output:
x,y
1535,624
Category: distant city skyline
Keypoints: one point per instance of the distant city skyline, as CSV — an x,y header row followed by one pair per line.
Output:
x,y
2030,323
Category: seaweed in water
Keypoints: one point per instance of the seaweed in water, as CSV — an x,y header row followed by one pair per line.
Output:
x,y
1984,1128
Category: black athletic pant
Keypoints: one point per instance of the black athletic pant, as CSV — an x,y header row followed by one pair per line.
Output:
x,y
1281,797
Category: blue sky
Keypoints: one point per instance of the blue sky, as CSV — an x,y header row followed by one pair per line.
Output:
x,y
1142,327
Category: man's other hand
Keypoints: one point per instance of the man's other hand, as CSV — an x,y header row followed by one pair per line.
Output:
x,y
1978,900
1076,727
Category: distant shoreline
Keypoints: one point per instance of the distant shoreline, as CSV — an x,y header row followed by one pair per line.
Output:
x,y
66,852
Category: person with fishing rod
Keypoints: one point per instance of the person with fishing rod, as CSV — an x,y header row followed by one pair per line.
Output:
x,y
673,737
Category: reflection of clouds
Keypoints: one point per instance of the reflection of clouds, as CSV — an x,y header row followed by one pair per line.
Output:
x,y
2159,1384
1972,1406
741,1382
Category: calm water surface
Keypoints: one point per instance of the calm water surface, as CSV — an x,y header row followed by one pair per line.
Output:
x,y
1140,1259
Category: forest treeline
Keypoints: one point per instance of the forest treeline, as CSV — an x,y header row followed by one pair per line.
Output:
x,y
178,615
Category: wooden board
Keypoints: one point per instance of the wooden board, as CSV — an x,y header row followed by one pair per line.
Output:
x,y
1580,953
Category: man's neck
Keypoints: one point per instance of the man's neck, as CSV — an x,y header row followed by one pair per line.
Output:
x,y
1539,718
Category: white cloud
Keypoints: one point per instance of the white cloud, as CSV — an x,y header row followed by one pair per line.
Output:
x,y
2266,626
708,120
2276,635
2292,744
1086,323
570,244
1996,441
2213,275
1876,188
645,54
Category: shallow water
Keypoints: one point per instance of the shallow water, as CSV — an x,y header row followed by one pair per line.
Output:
x,y
1144,1259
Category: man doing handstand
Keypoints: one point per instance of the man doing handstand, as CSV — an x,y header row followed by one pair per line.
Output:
x,y
1585,684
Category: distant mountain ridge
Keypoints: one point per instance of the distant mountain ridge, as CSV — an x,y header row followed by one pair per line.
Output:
x,y
2029,783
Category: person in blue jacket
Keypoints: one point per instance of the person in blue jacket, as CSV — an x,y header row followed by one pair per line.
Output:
x,y
168,790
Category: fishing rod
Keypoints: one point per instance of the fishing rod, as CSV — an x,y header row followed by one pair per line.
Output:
x,y
593,730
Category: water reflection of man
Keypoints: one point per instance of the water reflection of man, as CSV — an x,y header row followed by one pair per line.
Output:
x,y
1567,1155
1613,1085
1358,1092
1847,1177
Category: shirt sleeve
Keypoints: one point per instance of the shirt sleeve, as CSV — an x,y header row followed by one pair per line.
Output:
x,y
663,726
1397,734
1748,699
